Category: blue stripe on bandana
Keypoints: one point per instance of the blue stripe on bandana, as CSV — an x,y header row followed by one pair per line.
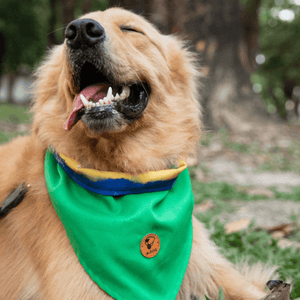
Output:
x,y
116,186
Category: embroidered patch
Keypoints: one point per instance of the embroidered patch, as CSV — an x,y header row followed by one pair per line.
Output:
x,y
150,245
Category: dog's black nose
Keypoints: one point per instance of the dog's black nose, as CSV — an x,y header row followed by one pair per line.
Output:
x,y
84,32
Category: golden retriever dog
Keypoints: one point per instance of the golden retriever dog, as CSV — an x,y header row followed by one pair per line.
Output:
x,y
121,98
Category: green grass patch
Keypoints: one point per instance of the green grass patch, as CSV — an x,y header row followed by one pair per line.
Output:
x,y
207,139
6,136
15,114
276,158
279,159
256,245
294,195
220,295
218,190
225,191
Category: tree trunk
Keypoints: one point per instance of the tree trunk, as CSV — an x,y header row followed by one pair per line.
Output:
x,y
225,35
143,7
250,28
2,53
171,16
52,40
68,11
86,6
11,81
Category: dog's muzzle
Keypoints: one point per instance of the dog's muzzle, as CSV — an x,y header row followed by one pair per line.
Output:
x,y
102,103
84,32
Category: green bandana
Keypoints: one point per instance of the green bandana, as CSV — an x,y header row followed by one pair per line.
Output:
x,y
109,234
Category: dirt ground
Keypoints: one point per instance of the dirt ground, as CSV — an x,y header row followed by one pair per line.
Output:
x,y
219,162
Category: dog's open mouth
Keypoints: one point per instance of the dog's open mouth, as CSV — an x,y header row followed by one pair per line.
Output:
x,y
103,105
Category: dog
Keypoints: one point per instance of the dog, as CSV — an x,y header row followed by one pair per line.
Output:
x,y
117,97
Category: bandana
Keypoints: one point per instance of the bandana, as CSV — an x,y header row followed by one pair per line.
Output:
x,y
134,246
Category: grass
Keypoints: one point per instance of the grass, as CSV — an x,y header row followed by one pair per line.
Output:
x,y
283,159
257,245
220,295
294,195
15,114
276,158
252,244
217,190
6,136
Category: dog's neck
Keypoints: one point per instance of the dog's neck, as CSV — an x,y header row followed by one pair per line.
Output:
x,y
115,153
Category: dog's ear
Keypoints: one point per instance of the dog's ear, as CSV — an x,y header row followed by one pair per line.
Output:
x,y
185,81
47,75
183,65
53,77
53,88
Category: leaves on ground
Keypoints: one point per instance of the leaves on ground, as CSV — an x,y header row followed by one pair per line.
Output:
x,y
237,225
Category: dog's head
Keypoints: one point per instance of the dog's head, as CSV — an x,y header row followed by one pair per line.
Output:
x,y
118,89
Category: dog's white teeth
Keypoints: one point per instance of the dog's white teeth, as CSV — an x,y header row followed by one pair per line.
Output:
x,y
109,94
125,92
108,99
92,104
84,101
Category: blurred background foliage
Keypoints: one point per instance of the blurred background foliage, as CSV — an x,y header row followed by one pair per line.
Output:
x,y
22,28
23,42
278,78
25,27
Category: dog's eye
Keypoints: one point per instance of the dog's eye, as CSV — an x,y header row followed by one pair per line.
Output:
x,y
130,29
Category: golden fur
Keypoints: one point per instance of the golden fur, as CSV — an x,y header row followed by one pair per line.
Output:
x,y
37,261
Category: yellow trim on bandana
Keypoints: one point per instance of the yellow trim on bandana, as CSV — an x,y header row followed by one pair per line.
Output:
x,y
143,178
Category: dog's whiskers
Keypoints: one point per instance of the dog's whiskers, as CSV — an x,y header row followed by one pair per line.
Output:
x,y
58,29
137,75
139,79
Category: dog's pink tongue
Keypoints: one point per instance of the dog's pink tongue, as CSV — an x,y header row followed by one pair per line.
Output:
x,y
88,93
